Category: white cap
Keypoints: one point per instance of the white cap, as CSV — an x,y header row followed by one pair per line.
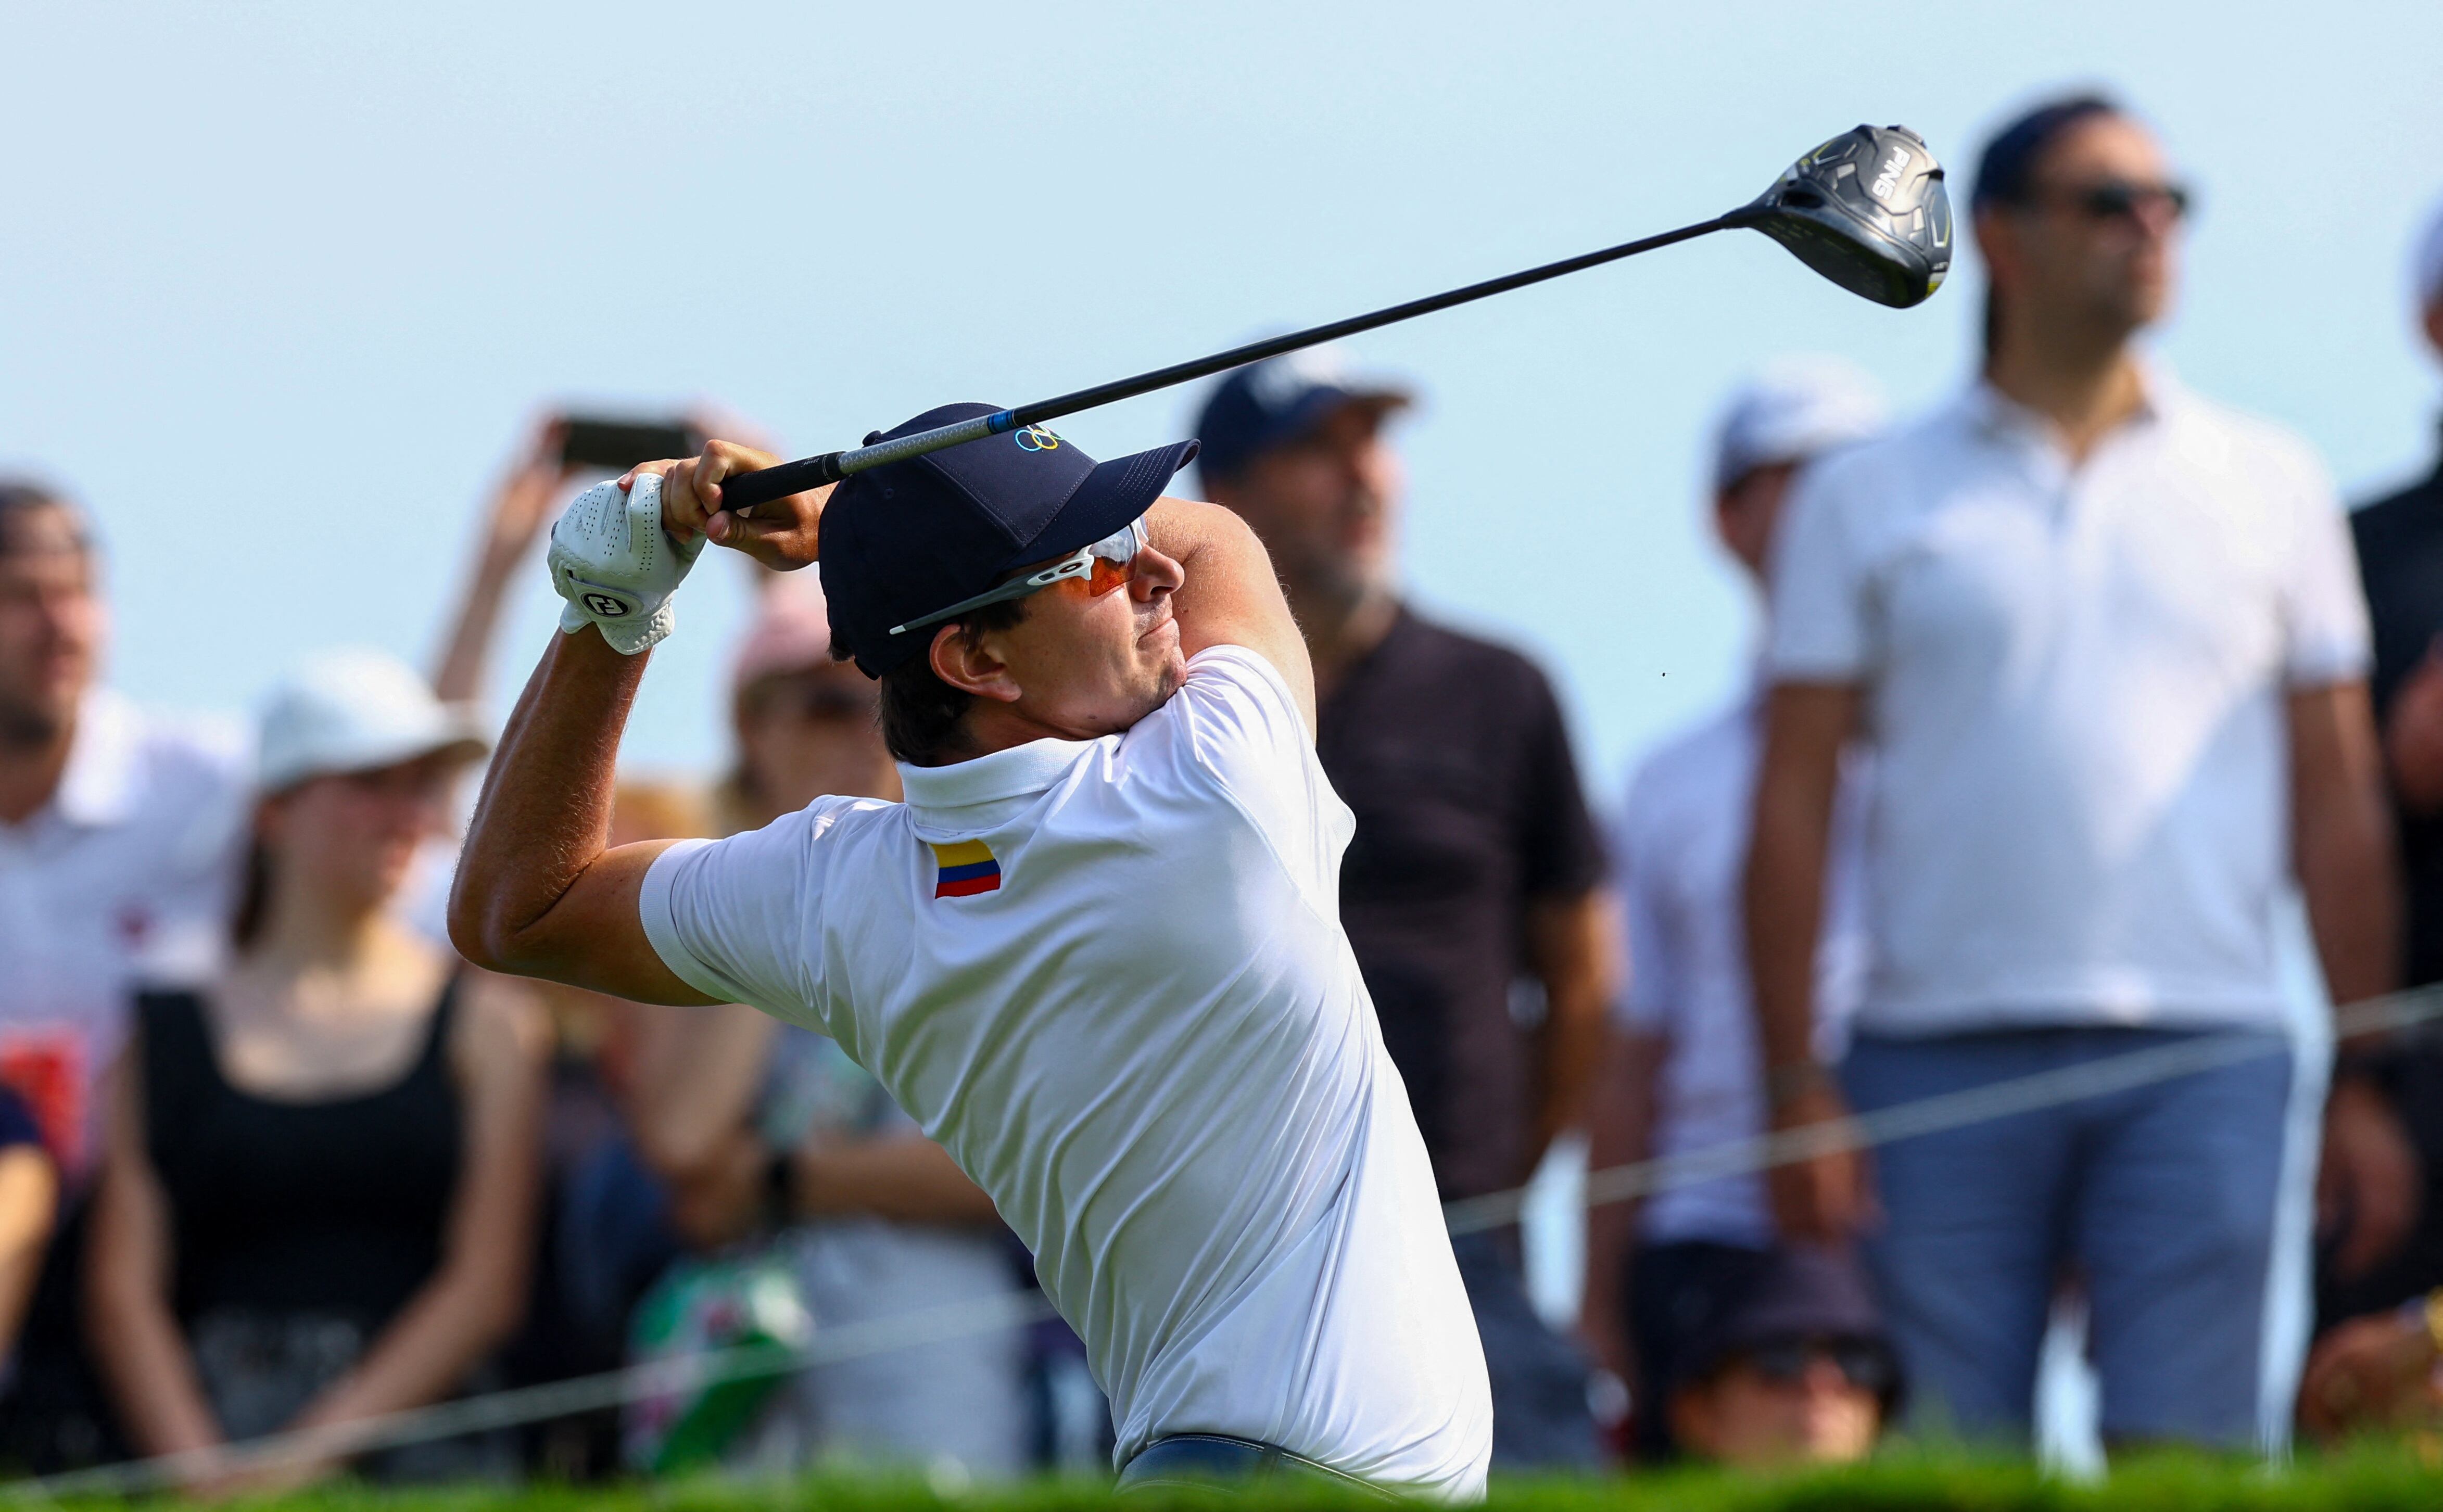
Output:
x,y
1792,409
2426,267
355,710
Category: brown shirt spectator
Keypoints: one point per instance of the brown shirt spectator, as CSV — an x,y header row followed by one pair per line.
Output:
x,y
1475,874
1453,754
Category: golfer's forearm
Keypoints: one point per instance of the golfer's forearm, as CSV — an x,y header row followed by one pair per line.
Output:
x,y
545,813
1230,594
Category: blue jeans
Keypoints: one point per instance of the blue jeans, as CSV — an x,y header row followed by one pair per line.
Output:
x,y
2159,1200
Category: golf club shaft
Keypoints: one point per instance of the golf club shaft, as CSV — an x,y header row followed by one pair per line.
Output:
x,y
752,488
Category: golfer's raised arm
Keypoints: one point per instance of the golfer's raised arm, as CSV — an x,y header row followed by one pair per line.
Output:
x,y
538,892
1231,596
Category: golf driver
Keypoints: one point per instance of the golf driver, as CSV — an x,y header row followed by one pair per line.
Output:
x,y
1866,209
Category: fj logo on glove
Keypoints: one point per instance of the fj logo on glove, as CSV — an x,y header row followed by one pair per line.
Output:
x,y
616,565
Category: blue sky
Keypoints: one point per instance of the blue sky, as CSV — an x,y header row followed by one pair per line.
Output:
x,y
283,282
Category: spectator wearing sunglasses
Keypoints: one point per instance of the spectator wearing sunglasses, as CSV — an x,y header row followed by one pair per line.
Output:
x,y
1790,1366
2105,644
768,1134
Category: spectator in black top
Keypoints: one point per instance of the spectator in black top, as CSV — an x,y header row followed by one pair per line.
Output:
x,y
2358,1290
30,1191
317,1200
1476,869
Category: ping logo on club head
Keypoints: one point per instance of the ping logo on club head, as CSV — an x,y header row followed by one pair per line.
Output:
x,y
1035,438
1887,182
606,606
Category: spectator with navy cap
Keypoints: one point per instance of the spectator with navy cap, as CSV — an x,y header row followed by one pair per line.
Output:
x,y
1475,868
1787,1364
1684,1075
2103,642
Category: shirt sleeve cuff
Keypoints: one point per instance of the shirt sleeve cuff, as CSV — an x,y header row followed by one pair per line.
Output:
x,y
2312,668
662,929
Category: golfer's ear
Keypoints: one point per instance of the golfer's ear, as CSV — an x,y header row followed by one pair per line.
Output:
x,y
967,662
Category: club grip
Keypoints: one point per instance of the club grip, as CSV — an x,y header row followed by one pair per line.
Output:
x,y
747,489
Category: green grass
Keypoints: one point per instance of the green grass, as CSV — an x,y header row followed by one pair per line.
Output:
x,y
2387,1480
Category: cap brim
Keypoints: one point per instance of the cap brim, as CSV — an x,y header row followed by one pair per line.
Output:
x,y
460,737
1113,493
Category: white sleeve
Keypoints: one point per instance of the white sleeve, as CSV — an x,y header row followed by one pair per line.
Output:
x,y
1818,630
1236,723
734,919
1645,998
2324,608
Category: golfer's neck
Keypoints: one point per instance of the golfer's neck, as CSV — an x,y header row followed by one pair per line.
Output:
x,y
2084,381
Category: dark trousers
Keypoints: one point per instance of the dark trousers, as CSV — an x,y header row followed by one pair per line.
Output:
x,y
1540,1417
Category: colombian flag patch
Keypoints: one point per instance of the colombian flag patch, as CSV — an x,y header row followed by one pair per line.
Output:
x,y
967,868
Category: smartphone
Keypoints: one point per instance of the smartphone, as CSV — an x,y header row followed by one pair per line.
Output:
x,y
616,446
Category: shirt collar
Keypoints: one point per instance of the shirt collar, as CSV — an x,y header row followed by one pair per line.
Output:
x,y
97,787
1017,772
2160,396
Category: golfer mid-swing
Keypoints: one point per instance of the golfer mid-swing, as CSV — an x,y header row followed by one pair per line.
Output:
x,y
1096,953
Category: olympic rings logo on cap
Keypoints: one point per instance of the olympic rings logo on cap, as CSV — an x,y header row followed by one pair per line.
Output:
x,y
1035,438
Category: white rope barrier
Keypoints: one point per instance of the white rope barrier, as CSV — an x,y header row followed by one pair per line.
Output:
x,y
535,1404
532,1404
2100,1077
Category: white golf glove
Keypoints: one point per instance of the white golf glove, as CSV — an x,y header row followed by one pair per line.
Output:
x,y
617,566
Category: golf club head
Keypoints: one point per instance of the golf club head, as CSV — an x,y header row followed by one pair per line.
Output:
x,y
1867,210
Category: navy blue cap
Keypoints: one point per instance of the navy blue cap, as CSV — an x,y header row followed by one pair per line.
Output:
x,y
2006,171
1279,399
1794,1292
904,540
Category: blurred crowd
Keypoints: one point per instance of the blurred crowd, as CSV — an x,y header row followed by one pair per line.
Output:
x,y
2061,689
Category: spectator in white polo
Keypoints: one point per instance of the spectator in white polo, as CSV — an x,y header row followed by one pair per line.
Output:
x,y
1684,1074
119,845
116,834
2104,643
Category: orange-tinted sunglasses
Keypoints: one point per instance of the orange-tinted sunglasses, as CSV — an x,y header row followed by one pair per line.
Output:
x,y
1105,564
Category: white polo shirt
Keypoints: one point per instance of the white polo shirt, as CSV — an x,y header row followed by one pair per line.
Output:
x,y
123,879
2075,684
1680,852
1109,977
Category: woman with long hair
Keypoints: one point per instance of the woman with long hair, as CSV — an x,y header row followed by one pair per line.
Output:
x,y
317,1205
